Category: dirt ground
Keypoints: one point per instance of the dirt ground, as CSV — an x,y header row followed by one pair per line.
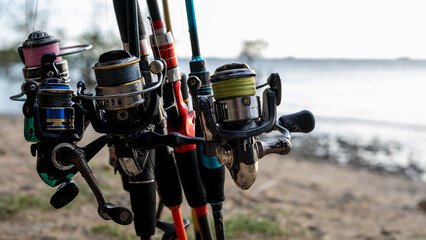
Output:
x,y
303,199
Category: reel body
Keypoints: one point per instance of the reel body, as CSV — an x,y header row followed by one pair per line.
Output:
x,y
118,107
52,117
56,120
233,118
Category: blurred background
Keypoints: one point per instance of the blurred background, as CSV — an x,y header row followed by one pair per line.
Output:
x,y
359,66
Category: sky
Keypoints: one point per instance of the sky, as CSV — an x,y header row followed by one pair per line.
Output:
x,y
362,29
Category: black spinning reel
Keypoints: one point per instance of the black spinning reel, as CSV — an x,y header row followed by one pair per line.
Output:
x,y
124,105
52,116
55,120
233,118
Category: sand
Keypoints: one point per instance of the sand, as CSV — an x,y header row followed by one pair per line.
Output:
x,y
305,199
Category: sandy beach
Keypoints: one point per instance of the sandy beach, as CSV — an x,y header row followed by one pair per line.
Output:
x,y
292,198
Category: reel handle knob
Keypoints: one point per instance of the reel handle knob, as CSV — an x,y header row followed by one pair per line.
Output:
x,y
303,121
156,66
120,215
66,192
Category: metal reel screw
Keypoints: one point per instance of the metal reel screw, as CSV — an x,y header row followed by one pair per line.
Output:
x,y
246,101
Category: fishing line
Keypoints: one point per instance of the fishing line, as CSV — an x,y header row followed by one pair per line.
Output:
x,y
34,53
117,73
107,21
26,17
29,56
235,87
156,49
183,32
35,15
233,80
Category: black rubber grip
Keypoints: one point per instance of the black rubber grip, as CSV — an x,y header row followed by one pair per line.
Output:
x,y
303,121
167,177
190,177
143,201
213,181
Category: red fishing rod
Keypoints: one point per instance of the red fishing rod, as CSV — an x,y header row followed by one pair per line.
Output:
x,y
179,120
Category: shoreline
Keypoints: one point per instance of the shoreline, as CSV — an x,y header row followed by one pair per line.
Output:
x,y
306,199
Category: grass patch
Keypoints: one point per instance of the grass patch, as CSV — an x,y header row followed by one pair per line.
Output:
x,y
13,204
117,232
114,232
240,225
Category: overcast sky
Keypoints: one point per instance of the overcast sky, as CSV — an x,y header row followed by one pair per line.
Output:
x,y
298,28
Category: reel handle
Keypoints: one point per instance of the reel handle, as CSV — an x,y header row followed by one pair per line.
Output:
x,y
67,155
120,215
303,121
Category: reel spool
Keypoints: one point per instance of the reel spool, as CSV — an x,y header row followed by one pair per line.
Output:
x,y
236,108
33,49
41,50
54,97
119,83
234,89
117,108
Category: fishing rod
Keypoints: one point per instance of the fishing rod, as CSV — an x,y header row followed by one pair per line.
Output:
x,y
165,170
179,120
185,97
231,113
140,184
212,173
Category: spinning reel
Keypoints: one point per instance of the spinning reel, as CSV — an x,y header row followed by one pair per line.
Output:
x,y
118,107
233,118
55,120
52,116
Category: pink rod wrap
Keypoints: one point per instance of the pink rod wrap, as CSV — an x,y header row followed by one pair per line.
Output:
x,y
33,55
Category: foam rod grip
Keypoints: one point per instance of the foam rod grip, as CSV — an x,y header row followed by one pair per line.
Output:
x,y
213,181
303,121
190,177
167,177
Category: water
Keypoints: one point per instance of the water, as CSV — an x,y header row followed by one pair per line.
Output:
x,y
369,111
375,106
